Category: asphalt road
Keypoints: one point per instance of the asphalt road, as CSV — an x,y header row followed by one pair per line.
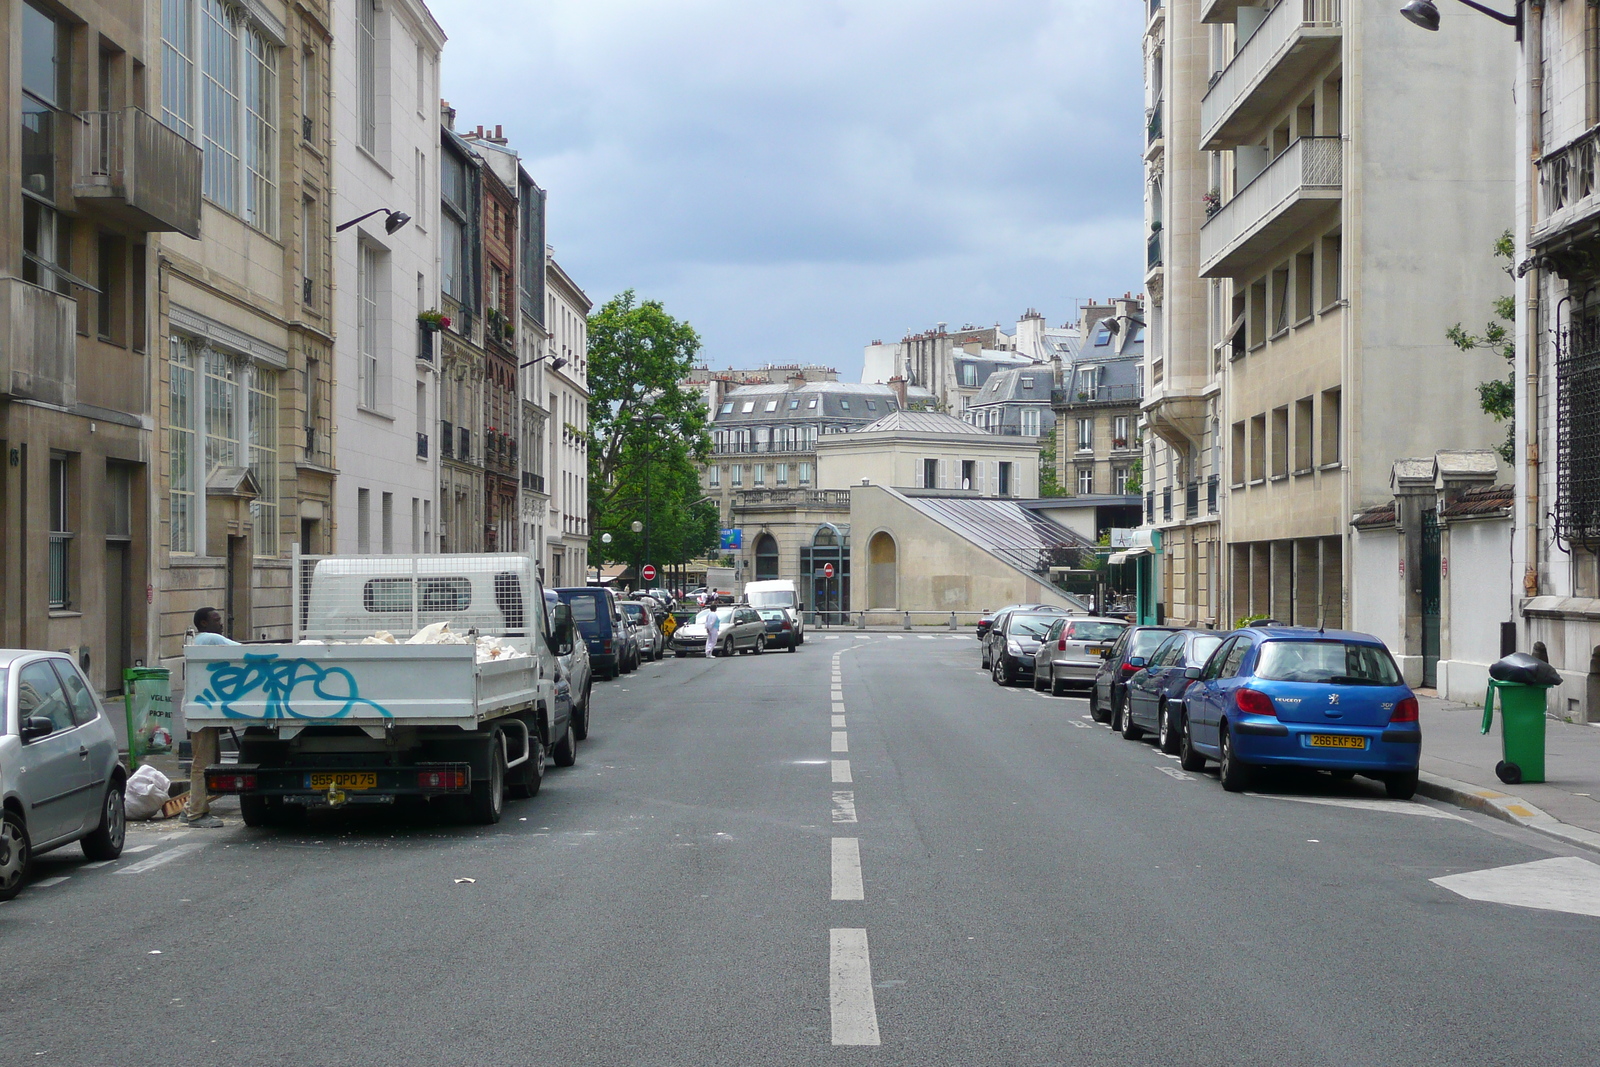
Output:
x,y
1032,890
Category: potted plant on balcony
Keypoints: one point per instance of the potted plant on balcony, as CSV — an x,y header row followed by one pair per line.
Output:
x,y
433,320
1119,442
1212,201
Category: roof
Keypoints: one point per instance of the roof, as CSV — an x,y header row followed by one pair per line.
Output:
x,y
921,422
1485,500
1000,527
1304,633
1377,515
1030,383
837,400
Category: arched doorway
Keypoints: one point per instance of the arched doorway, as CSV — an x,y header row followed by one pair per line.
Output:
x,y
829,595
766,558
882,571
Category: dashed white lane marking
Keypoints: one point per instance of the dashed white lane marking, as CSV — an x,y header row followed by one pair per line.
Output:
x,y
1562,883
830,637
844,806
955,639
838,707
1173,772
855,1014
1083,725
46,883
838,722
136,850
160,858
895,637
841,741
847,869
1394,807
98,865
841,771
926,637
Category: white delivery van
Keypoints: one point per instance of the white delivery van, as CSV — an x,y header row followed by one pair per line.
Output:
x,y
779,593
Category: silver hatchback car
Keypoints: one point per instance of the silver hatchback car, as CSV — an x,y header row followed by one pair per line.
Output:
x,y
1073,651
60,777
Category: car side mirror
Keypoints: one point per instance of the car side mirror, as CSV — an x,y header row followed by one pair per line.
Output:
x,y
561,630
1192,673
35,727
1136,661
1105,653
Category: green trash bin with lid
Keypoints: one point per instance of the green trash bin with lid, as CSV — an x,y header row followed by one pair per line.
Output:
x,y
147,699
1522,682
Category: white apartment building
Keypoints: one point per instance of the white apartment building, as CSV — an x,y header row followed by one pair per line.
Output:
x,y
567,391
386,136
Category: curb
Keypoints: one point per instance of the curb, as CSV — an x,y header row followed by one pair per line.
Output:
x,y
1505,807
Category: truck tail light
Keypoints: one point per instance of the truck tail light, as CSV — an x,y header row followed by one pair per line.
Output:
x,y
1254,702
227,782
445,779
1405,711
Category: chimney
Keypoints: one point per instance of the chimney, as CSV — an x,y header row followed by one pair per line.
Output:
x,y
447,115
797,379
898,384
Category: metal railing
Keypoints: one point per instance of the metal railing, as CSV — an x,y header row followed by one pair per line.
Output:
x,y
1105,394
1191,500
422,445
734,448
1309,166
1255,55
1567,185
532,482
1152,258
1152,126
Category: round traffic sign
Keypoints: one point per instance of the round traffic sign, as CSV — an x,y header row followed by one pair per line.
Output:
x,y
827,570
648,573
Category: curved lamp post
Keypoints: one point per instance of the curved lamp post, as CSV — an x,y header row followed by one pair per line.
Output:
x,y
1425,13
395,220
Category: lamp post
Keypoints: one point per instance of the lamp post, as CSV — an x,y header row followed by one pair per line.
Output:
x,y
395,220
1425,13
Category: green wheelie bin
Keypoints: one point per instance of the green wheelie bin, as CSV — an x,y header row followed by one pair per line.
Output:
x,y
1522,682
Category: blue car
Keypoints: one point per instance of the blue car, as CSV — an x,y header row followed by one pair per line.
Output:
x,y
1294,697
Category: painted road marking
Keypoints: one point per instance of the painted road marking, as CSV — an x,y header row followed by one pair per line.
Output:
x,y
46,883
855,1015
895,637
161,858
1395,807
137,850
841,741
844,805
838,707
838,722
847,869
841,771
831,637
926,637
1082,725
1562,883
1173,772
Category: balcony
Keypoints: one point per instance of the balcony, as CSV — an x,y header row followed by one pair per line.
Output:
x,y
1569,199
137,171
1302,184
1153,133
1295,36
1105,394
533,483
781,499
1152,252
38,344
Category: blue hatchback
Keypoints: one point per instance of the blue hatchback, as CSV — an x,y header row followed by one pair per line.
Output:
x,y
1287,696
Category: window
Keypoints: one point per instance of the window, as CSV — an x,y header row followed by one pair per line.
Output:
x,y
795,403
1239,451
1258,313
1102,335
1304,289
363,521
1119,432
263,436
387,520
46,235
60,532
367,325
261,132
783,474
1003,480
1085,481
969,375
772,405
1331,282
177,66
1280,299
182,434
930,474
738,475
758,474
969,474
422,82
420,164
1280,442
1330,427
1085,435
1027,381
844,405
726,409
1119,480
222,411
111,304
220,104
84,709
1302,435
812,403
367,71
1030,422
872,405
805,474
1258,448
39,696
749,406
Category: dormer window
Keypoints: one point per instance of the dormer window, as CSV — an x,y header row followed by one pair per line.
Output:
x,y
772,405
1027,381
812,403
794,403
749,406
1102,335
844,405
872,405
727,409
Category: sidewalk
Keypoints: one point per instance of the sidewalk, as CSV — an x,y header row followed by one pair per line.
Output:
x,y
1458,766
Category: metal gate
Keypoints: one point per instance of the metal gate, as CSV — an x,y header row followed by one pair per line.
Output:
x,y
1430,598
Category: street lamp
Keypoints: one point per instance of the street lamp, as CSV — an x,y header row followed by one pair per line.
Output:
x,y
555,364
605,539
1114,322
395,220
1425,13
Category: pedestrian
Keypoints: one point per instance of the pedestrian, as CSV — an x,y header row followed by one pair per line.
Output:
x,y
713,625
203,742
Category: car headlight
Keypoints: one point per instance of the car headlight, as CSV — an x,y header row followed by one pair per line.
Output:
x,y
1014,647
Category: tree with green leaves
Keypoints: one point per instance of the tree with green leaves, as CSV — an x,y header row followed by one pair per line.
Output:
x,y
1048,485
648,436
1497,396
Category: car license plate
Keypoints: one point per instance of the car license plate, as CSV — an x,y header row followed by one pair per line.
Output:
x,y
1337,741
343,780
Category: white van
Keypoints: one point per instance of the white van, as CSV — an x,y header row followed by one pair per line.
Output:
x,y
348,598
779,593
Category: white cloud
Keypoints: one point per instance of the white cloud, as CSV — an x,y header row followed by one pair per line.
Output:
x,y
797,179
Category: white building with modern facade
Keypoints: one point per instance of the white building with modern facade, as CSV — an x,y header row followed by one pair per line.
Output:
x,y
385,125
567,390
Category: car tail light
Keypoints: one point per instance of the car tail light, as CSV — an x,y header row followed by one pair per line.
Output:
x,y
230,783
1061,644
1254,702
448,779
605,646
1405,711
787,625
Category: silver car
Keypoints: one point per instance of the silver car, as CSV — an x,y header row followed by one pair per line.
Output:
x,y
579,672
646,631
60,778
1073,651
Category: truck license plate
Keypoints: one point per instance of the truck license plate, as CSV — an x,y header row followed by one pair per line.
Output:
x,y
1337,741
342,780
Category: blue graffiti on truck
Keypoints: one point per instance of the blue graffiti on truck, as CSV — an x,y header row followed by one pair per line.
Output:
x,y
277,681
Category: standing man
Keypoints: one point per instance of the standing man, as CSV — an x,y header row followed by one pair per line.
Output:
x,y
203,742
713,626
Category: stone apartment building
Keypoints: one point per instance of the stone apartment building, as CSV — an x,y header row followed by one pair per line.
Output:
x,y
89,186
502,402
462,360
567,381
533,359
1096,400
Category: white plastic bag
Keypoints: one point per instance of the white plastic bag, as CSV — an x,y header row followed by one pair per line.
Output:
x,y
145,793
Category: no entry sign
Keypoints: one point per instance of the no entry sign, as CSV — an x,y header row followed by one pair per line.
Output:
x,y
648,573
827,570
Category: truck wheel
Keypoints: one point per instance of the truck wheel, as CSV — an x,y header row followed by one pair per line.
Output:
x,y
565,752
524,781
257,811
488,800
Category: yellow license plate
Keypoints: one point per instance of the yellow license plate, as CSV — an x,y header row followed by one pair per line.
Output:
x,y
346,780
1337,741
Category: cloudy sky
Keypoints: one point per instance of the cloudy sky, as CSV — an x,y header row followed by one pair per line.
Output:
x,y
799,178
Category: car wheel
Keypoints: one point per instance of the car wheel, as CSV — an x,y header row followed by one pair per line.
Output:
x,y
680,655
794,644
1167,731
581,719
1188,758
565,751
1116,716
1401,786
761,644
983,658
998,671
524,781
488,800
16,854
1130,732
1094,704
1056,688
1038,678
106,840
727,647
1235,773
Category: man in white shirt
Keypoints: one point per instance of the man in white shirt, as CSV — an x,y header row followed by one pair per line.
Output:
x,y
203,742
713,625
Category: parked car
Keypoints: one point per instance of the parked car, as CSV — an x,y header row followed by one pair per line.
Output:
x,y
1126,658
741,630
1296,697
987,620
1012,642
1072,651
647,633
1155,701
781,631
599,619
779,593
579,672
60,779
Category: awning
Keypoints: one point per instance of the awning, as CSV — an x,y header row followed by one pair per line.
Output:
x,y
1125,556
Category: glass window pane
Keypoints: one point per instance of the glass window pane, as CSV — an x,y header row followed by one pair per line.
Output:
x,y
39,695
220,90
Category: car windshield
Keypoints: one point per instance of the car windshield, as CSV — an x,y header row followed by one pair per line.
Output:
x,y
633,611
1329,662
1097,631
772,614
582,608
1145,641
772,598
725,614
1029,625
